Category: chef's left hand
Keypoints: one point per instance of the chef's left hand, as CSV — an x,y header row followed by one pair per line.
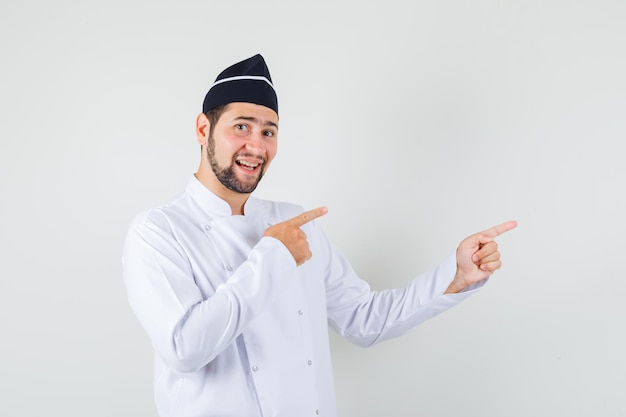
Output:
x,y
477,257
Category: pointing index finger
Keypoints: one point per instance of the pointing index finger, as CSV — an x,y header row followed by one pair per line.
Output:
x,y
302,219
499,229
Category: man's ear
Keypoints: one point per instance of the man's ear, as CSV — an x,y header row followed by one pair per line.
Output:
x,y
202,129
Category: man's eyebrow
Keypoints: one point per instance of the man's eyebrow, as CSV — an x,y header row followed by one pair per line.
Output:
x,y
256,120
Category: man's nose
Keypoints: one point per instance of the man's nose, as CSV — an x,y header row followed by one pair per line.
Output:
x,y
255,143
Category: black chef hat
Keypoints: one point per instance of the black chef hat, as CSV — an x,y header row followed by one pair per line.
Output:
x,y
247,81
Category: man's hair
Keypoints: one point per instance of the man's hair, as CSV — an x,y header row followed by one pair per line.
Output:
x,y
214,115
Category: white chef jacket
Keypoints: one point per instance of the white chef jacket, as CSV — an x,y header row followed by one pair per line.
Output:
x,y
238,329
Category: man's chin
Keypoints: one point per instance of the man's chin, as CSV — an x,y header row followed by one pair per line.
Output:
x,y
242,187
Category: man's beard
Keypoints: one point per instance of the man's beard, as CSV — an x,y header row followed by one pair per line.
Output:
x,y
227,175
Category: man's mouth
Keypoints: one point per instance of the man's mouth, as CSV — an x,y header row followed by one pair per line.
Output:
x,y
248,165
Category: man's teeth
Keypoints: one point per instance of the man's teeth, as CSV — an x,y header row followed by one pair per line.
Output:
x,y
246,164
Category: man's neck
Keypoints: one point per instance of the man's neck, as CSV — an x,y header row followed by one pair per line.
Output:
x,y
235,200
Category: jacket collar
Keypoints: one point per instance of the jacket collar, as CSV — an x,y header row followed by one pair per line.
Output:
x,y
212,204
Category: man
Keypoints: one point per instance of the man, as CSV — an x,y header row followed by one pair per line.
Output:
x,y
236,293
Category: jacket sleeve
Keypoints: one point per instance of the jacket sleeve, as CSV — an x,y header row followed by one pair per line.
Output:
x,y
187,331
366,317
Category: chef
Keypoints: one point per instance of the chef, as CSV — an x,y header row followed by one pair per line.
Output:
x,y
236,293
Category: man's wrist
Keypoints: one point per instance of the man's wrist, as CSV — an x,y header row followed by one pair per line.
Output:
x,y
457,285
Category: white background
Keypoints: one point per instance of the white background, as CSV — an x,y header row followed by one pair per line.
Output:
x,y
416,122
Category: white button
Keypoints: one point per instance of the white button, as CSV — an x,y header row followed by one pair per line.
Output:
x,y
255,368
310,362
229,268
207,227
300,312
317,412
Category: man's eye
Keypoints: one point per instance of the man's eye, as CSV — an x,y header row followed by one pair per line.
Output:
x,y
269,133
241,127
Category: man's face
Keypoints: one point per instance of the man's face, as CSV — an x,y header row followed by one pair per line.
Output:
x,y
242,145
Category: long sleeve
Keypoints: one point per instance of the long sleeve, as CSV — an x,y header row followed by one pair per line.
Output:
x,y
186,328
367,317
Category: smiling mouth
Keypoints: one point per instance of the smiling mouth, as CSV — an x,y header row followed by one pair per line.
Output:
x,y
248,165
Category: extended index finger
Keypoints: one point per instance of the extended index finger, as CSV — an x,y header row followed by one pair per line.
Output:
x,y
499,229
307,216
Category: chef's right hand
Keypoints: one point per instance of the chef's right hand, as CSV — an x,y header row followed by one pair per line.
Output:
x,y
290,234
